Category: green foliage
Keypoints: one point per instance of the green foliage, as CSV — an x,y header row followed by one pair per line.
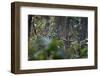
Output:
x,y
83,52
57,38
76,51
54,49
41,47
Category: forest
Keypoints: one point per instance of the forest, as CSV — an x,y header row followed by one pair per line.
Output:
x,y
57,37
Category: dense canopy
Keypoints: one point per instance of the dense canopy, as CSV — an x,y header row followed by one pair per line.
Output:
x,y
57,37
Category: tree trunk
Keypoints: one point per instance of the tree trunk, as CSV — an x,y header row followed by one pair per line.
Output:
x,y
84,29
